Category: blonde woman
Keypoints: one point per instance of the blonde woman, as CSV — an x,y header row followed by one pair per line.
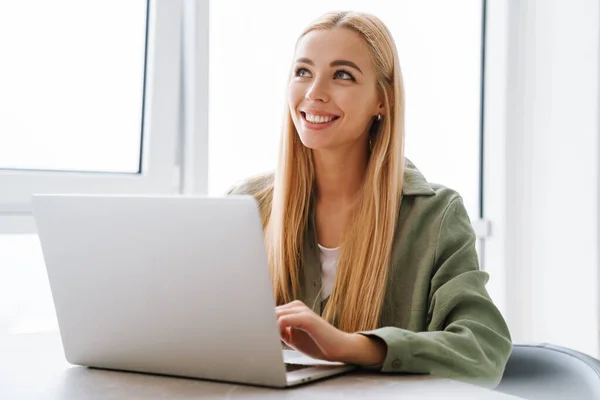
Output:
x,y
371,264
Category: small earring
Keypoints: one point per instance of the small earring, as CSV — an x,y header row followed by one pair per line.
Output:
x,y
379,117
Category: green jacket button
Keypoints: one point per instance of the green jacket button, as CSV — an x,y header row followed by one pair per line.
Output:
x,y
397,364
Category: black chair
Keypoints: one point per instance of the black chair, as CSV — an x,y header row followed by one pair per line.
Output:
x,y
550,372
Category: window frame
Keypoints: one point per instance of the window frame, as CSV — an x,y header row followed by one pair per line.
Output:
x,y
159,169
500,17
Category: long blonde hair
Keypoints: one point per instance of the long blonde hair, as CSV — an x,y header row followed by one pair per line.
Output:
x,y
357,297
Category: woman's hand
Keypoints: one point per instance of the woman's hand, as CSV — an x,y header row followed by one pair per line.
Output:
x,y
310,334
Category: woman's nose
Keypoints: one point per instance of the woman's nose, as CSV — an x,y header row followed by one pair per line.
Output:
x,y
317,92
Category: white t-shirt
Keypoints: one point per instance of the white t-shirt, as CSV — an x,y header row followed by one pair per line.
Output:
x,y
329,259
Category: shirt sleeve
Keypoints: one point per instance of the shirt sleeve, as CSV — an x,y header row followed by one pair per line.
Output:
x,y
466,337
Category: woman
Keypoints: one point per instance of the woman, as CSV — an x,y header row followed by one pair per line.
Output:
x,y
371,264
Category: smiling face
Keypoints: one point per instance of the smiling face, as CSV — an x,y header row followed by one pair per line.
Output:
x,y
332,93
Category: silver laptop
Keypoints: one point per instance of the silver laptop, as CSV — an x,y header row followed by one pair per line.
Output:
x,y
169,285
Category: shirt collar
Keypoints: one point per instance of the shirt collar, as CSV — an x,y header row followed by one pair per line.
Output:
x,y
415,183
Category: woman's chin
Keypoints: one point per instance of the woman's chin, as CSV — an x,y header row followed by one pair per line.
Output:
x,y
314,141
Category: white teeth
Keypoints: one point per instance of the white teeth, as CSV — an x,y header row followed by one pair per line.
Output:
x,y
318,119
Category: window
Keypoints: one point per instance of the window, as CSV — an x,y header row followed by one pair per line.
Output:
x,y
439,45
74,99
89,99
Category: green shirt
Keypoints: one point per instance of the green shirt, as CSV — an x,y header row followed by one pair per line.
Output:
x,y
437,317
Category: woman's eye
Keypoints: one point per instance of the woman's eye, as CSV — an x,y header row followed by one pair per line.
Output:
x,y
341,74
302,72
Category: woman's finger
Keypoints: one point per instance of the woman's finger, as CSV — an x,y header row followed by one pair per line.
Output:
x,y
287,311
301,321
291,304
286,335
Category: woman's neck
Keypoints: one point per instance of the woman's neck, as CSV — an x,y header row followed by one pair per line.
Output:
x,y
339,175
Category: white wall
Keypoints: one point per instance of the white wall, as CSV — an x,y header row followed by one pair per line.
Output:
x,y
542,180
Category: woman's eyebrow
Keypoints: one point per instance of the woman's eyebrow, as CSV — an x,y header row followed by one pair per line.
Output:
x,y
338,63
335,63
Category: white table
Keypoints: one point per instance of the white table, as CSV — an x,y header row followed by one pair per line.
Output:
x,y
33,367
